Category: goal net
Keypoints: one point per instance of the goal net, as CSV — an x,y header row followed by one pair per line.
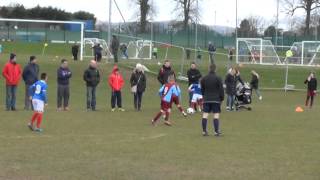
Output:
x,y
140,49
89,43
256,51
305,53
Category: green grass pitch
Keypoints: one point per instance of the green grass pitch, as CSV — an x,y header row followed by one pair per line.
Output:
x,y
270,142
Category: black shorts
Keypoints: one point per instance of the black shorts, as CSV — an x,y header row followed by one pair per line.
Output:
x,y
212,107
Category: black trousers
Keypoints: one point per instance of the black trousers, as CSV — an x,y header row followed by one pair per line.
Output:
x,y
75,56
116,99
98,57
137,100
115,56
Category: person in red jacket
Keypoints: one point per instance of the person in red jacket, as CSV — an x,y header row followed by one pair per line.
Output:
x,y
116,83
12,73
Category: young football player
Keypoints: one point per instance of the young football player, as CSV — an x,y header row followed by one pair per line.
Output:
x,y
197,98
38,96
166,92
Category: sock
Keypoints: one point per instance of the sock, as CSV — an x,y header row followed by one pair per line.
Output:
x,y
194,105
34,117
39,120
216,125
157,116
180,108
167,116
204,124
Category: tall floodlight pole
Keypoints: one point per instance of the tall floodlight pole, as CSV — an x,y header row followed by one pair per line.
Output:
x,y
196,30
151,22
109,23
277,24
236,30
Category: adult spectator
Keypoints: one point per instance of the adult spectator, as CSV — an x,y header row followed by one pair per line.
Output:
x,y
138,83
63,91
231,83
75,51
164,72
92,78
212,50
97,49
30,76
12,73
124,50
213,95
194,76
114,48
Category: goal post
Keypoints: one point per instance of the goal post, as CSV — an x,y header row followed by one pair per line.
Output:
x,y
82,27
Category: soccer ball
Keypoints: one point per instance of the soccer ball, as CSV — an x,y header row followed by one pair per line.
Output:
x,y
190,110
159,63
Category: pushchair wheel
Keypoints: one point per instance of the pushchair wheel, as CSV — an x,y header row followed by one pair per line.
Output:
x,y
249,108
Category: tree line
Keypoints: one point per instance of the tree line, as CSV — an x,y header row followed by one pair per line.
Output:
x,y
49,13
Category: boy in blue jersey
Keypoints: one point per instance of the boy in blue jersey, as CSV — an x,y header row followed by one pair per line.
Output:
x,y
197,98
38,96
176,100
166,92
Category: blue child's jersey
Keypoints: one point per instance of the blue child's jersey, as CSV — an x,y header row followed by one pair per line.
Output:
x,y
195,88
39,91
167,91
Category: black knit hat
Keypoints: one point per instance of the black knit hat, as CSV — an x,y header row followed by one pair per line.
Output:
x,y
12,56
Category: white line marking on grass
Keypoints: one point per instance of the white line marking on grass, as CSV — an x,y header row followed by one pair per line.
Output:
x,y
25,137
153,137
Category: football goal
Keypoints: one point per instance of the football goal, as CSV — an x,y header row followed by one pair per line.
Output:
x,y
305,53
256,51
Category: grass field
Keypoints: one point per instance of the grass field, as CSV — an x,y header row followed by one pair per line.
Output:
x,y
270,142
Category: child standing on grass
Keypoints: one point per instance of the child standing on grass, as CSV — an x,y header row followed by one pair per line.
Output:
x,y
166,92
255,83
38,96
311,81
116,83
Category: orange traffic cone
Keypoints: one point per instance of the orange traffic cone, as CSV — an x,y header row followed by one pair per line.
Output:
x,y
299,109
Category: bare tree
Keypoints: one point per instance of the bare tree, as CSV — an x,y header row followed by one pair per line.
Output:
x,y
145,9
308,6
187,10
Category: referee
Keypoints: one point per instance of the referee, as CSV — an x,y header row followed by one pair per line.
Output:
x,y
213,95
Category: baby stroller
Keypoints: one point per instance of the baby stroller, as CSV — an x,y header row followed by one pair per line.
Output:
x,y
243,96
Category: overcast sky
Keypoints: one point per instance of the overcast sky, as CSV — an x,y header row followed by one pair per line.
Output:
x,y
224,9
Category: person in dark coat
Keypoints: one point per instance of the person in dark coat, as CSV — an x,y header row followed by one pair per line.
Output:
x,y
194,76
212,50
231,83
92,78
138,79
213,95
114,48
30,75
165,72
97,50
75,51
311,81
255,83
124,50
63,90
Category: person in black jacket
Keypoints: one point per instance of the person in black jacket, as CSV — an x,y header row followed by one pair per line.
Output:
x,y
255,83
194,76
212,50
30,76
97,49
213,95
311,81
92,78
165,72
63,90
231,83
114,48
75,51
138,79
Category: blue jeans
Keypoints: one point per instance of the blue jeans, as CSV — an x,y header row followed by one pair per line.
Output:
x,y
230,101
11,97
91,97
